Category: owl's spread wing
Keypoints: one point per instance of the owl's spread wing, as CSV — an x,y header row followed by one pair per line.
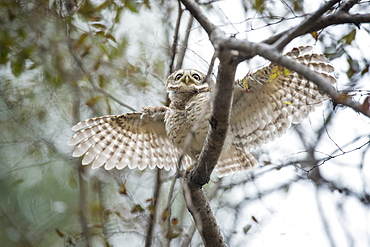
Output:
x,y
132,139
266,102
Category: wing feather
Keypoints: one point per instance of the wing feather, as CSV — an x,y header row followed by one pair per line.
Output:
x,y
267,101
132,139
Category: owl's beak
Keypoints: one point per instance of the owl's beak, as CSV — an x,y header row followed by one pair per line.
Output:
x,y
186,80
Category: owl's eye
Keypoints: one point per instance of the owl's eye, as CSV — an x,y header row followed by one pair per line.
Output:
x,y
178,77
196,77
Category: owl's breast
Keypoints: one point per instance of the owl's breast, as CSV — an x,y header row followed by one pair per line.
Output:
x,y
179,123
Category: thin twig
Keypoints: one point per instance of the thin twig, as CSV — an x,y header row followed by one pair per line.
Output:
x,y
153,214
338,18
348,5
84,205
169,203
176,37
184,46
92,81
303,27
324,220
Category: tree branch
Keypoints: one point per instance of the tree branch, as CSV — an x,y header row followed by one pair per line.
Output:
x,y
214,33
222,101
303,27
348,5
198,14
152,216
199,207
176,37
81,65
339,17
267,52
184,45
196,200
219,120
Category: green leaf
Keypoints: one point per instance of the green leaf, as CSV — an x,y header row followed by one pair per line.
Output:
x,y
72,181
17,67
137,209
365,70
110,36
81,40
247,228
99,26
259,5
132,6
17,182
93,101
349,37
3,55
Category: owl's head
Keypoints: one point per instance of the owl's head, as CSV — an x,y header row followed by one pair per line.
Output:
x,y
186,81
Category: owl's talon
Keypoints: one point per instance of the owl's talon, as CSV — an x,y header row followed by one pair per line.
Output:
x,y
192,166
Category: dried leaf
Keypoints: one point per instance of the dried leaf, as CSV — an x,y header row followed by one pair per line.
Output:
x,y
122,189
99,26
81,40
315,35
366,104
365,70
92,101
174,221
137,209
254,219
110,36
60,234
173,234
165,214
150,208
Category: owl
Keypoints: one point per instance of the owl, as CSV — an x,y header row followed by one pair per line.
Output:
x,y
265,104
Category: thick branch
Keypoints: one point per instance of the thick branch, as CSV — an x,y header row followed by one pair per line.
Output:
x,y
199,207
196,200
340,18
219,120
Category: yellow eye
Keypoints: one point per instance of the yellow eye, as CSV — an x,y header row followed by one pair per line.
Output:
x,y
178,77
196,77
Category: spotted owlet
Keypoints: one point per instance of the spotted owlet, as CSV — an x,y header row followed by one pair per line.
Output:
x,y
265,103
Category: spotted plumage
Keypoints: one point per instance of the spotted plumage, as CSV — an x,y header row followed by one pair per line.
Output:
x,y
265,103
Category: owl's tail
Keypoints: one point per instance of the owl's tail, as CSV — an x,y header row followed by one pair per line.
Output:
x,y
233,160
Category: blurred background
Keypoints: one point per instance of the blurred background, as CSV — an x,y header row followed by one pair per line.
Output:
x,y
65,61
